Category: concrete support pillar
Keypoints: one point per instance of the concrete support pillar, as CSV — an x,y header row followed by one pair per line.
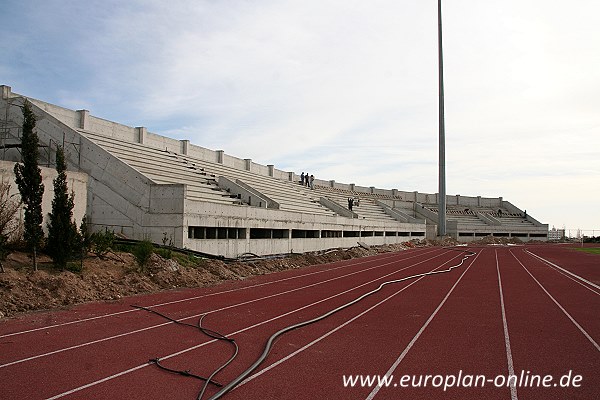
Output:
x,y
457,199
372,189
84,119
220,156
394,192
416,196
291,177
331,183
478,201
352,186
185,145
6,90
142,134
248,164
271,168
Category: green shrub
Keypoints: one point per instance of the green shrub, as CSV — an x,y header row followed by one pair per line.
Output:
x,y
74,267
142,252
102,242
164,253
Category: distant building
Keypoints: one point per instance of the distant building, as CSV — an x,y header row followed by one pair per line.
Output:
x,y
556,234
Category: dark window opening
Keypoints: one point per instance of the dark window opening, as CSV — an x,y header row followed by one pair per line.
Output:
x,y
305,234
331,234
538,235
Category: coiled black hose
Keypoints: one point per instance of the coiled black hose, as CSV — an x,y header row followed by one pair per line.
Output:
x,y
270,341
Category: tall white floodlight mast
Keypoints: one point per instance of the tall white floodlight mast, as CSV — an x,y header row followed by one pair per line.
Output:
x,y
442,138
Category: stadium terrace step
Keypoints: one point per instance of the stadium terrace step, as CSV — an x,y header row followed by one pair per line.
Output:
x,y
286,194
366,209
163,168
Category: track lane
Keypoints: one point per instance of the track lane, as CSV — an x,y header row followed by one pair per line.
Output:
x,y
303,373
544,340
124,346
355,348
569,257
466,337
580,301
98,330
248,338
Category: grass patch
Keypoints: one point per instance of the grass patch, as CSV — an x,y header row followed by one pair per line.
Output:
x,y
167,254
187,260
591,250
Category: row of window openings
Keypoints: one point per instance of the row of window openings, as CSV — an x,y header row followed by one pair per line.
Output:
x,y
201,232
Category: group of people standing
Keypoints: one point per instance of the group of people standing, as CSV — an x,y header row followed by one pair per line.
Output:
x,y
352,201
306,180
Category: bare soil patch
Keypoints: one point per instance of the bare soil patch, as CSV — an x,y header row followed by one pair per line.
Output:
x,y
117,275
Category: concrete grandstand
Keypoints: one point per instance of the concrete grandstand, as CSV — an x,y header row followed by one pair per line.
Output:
x,y
143,185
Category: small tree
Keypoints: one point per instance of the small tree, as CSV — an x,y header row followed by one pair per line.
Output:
x,y
142,252
86,236
8,225
63,239
102,242
29,181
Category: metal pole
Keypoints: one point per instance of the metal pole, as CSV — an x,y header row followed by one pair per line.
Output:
x,y
442,135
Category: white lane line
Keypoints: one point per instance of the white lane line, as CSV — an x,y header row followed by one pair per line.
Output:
x,y
200,297
259,373
567,272
208,312
511,369
559,305
77,389
416,337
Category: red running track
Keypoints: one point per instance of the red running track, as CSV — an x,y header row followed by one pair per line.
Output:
x,y
531,311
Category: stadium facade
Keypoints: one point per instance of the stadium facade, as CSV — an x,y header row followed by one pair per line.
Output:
x,y
146,186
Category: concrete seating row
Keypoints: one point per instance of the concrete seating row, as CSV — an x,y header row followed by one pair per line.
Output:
x,y
507,218
468,215
287,194
367,208
354,193
163,168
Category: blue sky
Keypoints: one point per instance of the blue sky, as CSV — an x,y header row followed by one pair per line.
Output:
x,y
346,90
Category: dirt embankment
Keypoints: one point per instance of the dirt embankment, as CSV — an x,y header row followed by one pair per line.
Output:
x,y
117,275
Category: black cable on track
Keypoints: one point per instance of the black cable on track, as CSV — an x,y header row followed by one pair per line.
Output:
x,y
269,344
208,332
271,340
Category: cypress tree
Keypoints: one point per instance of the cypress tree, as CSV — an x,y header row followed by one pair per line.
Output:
x,y
29,180
62,232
